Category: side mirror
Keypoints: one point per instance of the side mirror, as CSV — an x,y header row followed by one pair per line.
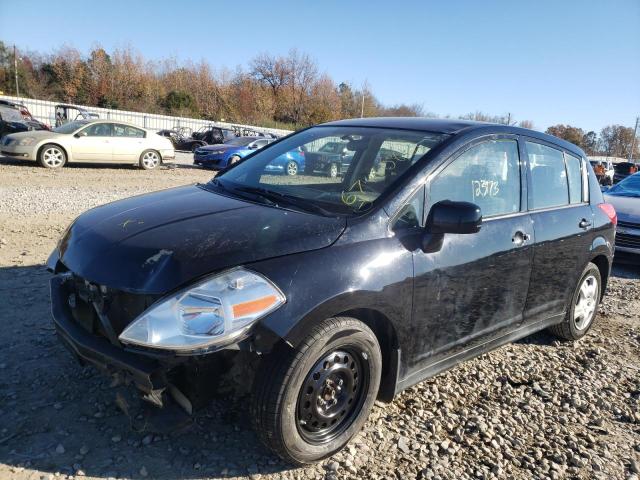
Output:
x,y
80,134
454,217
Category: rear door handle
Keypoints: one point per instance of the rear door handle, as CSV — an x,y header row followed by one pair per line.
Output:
x,y
584,223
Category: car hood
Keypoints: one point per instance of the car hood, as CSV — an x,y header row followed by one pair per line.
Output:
x,y
220,146
627,208
37,134
157,242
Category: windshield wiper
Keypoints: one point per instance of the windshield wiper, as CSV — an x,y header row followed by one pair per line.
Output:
x,y
280,199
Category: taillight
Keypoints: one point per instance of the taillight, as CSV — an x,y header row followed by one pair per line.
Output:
x,y
610,211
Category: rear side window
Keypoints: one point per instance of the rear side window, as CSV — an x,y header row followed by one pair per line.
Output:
x,y
574,175
548,177
488,174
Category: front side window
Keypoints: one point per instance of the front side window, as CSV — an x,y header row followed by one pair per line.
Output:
x,y
574,176
487,174
370,160
98,130
120,130
410,216
548,177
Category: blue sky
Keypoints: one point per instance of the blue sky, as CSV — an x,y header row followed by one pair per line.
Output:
x,y
562,61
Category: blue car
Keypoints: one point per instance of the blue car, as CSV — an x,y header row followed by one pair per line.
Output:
x,y
290,163
223,155
219,157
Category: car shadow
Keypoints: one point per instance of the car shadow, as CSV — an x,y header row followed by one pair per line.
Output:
x,y
60,417
99,166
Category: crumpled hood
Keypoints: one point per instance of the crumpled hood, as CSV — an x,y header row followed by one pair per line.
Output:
x,y
157,242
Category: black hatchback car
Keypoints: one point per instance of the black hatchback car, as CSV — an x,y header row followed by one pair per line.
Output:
x,y
332,292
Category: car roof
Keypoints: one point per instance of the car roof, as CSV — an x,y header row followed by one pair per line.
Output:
x,y
106,120
451,127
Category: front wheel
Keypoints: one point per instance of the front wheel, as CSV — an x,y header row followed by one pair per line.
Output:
x,y
309,401
150,160
234,159
292,169
583,308
52,156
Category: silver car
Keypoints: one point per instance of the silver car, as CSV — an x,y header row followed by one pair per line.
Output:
x,y
625,198
100,141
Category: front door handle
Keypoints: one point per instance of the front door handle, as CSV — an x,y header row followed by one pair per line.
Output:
x,y
519,238
584,223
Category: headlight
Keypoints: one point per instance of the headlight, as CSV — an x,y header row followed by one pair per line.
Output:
x,y
26,141
214,311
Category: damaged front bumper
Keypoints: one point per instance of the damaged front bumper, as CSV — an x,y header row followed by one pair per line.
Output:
x,y
147,374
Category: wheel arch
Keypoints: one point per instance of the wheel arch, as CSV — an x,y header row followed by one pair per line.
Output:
x,y
604,266
57,144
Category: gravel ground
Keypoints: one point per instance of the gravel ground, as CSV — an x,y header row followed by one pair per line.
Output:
x,y
534,409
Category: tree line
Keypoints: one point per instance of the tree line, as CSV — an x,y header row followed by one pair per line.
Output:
x,y
285,91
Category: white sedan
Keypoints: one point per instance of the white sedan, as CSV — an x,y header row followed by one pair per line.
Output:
x,y
100,141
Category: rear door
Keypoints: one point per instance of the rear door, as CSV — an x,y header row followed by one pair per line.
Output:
x,y
127,142
475,287
93,143
562,219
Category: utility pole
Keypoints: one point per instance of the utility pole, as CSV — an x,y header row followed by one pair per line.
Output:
x,y
362,107
15,68
633,140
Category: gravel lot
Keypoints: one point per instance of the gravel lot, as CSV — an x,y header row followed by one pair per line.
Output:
x,y
535,409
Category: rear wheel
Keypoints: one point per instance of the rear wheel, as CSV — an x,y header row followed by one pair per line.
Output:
x,y
310,401
583,308
150,159
52,156
292,169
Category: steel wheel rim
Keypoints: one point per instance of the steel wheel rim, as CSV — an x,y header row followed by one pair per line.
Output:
x,y
53,157
150,159
292,168
332,395
586,302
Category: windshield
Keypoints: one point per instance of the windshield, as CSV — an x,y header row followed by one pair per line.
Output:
x,y
10,115
629,187
307,170
240,141
69,127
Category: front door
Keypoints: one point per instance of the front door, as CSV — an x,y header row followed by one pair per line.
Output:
x,y
475,286
93,143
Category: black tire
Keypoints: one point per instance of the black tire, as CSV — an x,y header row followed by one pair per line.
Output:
x,y
335,350
572,328
292,169
52,156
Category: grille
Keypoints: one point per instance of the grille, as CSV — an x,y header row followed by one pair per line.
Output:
x,y
626,240
628,225
119,308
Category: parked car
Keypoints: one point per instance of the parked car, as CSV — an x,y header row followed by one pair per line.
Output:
x,y
100,141
623,170
332,159
325,296
12,121
625,197
181,142
604,171
221,156
290,163
212,135
26,115
72,113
